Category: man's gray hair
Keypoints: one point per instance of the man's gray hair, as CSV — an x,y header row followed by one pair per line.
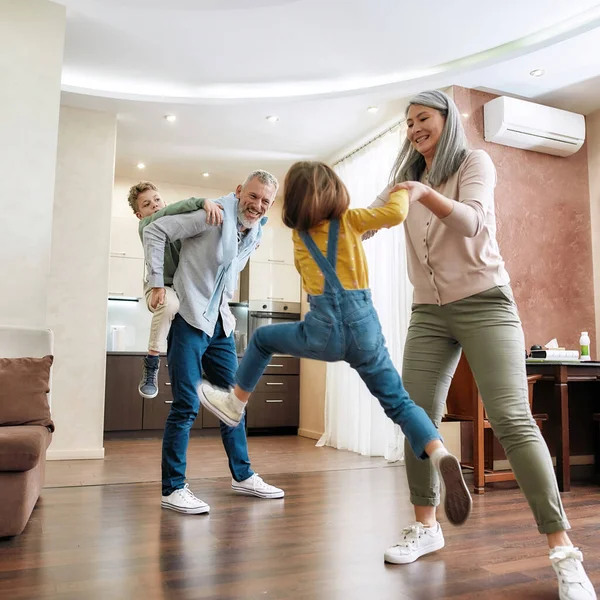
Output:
x,y
451,148
264,177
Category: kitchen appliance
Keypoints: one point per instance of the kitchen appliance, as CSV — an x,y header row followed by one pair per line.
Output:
x,y
522,124
271,312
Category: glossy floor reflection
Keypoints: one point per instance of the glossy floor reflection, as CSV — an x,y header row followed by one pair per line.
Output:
x,y
324,541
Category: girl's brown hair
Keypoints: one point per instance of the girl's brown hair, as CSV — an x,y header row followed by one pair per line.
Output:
x,y
313,193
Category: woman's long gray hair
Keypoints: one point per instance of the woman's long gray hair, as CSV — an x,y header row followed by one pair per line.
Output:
x,y
451,148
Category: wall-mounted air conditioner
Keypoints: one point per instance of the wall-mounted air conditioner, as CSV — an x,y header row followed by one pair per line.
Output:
x,y
530,126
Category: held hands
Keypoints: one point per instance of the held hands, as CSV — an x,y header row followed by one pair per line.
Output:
x,y
214,212
157,297
416,190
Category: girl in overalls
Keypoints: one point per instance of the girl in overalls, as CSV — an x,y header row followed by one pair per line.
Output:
x,y
342,323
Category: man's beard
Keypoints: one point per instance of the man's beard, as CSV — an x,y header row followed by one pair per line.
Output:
x,y
243,219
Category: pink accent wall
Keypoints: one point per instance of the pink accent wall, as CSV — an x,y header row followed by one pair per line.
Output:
x,y
544,232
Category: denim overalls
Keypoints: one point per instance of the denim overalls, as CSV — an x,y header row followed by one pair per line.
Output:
x,y
341,325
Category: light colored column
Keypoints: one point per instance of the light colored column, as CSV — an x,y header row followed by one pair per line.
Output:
x,y
593,145
77,291
31,52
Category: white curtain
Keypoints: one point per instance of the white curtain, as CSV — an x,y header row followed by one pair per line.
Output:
x,y
354,420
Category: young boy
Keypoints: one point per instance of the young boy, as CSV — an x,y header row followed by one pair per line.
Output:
x,y
146,203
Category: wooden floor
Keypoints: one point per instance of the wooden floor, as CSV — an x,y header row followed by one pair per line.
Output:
x,y
138,461
324,541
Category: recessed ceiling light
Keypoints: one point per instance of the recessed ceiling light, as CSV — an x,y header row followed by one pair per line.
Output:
x,y
537,73
141,166
272,119
465,115
205,174
171,118
372,109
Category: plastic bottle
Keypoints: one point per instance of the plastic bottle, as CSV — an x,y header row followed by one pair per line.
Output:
x,y
584,346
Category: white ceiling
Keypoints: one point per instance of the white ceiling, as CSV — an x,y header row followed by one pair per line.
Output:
x,y
222,66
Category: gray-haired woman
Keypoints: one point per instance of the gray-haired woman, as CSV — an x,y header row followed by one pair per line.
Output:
x,y
462,299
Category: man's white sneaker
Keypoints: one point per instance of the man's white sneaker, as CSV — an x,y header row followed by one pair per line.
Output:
x,y
573,582
221,404
184,501
255,486
417,540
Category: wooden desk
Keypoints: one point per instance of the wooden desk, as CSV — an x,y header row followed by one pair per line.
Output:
x,y
561,374
463,405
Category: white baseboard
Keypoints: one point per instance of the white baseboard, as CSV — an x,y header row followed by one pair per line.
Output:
x,y
584,459
81,454
307,433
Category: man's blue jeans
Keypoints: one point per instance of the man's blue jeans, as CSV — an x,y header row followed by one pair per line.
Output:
x,y
191,351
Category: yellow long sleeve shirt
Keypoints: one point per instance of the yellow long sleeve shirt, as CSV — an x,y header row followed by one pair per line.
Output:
x,y
351,267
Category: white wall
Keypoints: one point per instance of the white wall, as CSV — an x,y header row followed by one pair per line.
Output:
x,y
593,145
79,279
31,49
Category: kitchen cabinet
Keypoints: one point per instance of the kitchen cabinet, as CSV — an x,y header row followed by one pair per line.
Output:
x,y
123,406
126,262
270,273
276,247
275,402
156,410
274,405
270,410
124,238
273,281
125,277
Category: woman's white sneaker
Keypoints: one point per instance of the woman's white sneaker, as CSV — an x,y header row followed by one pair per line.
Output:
x,y
457,499
573,582
417,540
184,501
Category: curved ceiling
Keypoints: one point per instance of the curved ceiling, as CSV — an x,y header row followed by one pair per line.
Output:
x,y
197,50
222,66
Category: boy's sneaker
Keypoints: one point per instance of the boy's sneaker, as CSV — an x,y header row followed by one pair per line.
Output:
x,y
573,582
256,486
417,541
457,499
148,387
221,404
184,501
